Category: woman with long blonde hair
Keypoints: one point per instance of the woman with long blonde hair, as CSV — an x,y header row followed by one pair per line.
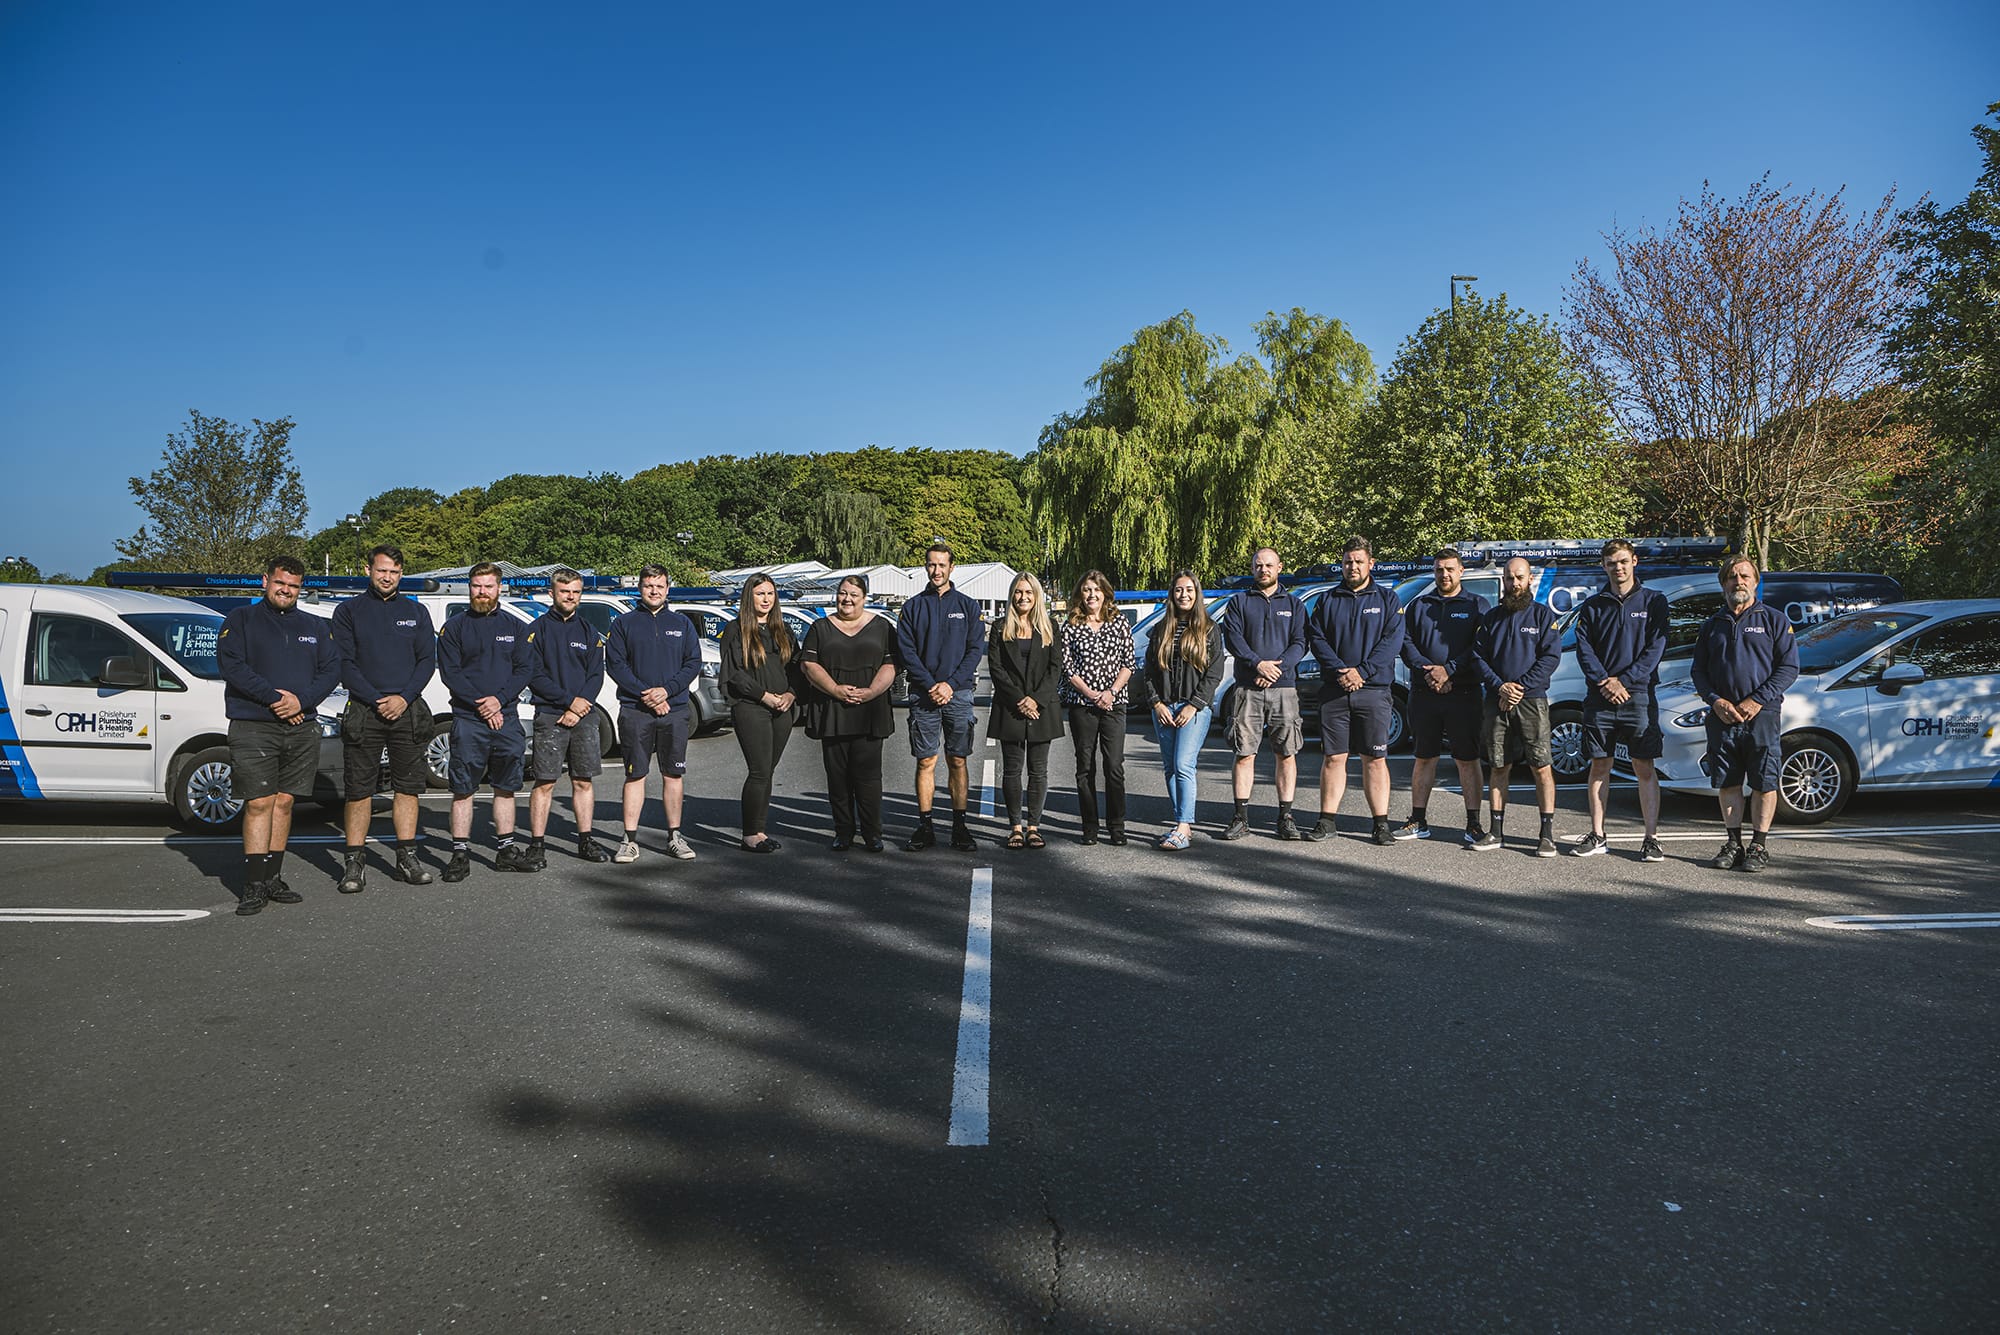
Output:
x,y
1026,663
1097,664
1183,669
757,654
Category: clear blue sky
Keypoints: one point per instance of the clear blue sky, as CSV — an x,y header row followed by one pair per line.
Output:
x,y
459,241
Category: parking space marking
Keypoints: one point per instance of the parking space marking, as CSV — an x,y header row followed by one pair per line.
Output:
x,y
1906,922
101,915
969,1068
1856,832
986,788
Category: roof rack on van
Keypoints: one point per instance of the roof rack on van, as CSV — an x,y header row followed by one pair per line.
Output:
x,y
1588,551
190,579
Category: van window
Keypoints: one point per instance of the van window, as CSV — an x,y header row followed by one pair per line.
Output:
x,y
70,651
1967,648
1685,618
598,616
189,638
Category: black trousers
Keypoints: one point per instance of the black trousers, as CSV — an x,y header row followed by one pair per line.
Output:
x,y
1034,757
1099,737
854,785
762,735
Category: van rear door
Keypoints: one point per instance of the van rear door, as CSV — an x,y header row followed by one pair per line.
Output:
x,y
79,735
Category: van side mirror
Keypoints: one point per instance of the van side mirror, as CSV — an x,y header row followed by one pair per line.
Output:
x,y
1898,675
125,672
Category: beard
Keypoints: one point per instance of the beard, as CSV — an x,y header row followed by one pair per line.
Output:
x,y
484,605
1514,602
1741,597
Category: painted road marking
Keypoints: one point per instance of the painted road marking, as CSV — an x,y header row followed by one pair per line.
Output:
x,y
986,789
1906,922
1856,832
101,915
969,1080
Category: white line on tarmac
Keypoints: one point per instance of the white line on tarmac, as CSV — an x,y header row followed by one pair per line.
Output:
x,y
170,840
986,789
101,915
969,1069
1906,922
1856,832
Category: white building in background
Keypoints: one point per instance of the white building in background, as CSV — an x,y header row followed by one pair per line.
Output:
x,y
985,582
783,576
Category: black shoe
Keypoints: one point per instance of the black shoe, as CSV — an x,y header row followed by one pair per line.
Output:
x,y
1755,858
1590,846
961,838
535,858
924,836
1116,839
1650,850
873,845
1411,829
1474,832
280,893
255,895
1238,827
590,850
1487,842
409,870
354,874
842,842
1087,837
458,868
1728,858
769,845
1323,829
1287,829
512,858
1382,834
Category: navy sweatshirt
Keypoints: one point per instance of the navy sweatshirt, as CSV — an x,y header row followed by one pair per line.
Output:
x,y
566,658
1258,629
1746,657
1438,632
647,649
1622,637
264,651
939,638
1522,647
481,655
1357,628
387,646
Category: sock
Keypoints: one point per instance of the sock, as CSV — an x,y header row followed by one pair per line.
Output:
x,y
536,841
1736,834
1758,838
673,830
1417,818
631,835
1284,810
458,846
1548,824
1381,821
254,865
1472,819
1242,810
406,845
276,864
506,841
1499,822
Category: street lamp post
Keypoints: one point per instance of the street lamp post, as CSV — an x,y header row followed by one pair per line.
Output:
x,y
357,522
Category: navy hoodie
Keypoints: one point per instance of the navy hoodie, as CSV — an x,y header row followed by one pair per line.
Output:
x,y
647,649
264,651
1357,628
482,654
1747,657
566,661
939,637
1622,637
1438,632
1258,629
1522,647
387,646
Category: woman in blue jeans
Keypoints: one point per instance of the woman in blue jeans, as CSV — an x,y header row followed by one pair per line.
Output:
x,y
1183,668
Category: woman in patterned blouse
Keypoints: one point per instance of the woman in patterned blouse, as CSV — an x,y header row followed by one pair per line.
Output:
x,y
1097,664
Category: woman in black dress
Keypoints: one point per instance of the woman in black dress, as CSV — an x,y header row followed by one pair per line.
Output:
x,y
850,661
1026,663
757,653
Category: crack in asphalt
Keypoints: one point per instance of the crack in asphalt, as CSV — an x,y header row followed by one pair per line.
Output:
x,y
1055,1259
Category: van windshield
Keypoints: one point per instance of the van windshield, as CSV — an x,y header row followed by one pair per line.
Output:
x,y
1831,643
189,638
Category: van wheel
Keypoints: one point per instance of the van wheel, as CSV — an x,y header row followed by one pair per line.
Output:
x,y
437,756
1815,779
1566,744
204,798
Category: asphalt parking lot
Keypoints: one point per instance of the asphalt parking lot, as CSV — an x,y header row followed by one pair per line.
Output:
x,y
1257,1086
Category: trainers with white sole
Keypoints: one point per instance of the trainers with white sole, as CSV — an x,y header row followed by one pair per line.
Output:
x,y
677,847
628,851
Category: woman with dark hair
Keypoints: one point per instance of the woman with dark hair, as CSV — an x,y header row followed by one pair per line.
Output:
x,y
1026,663
850,661
1183,668
757,653
1097,663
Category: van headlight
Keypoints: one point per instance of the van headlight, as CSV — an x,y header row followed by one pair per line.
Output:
x,y
328,726
1694,718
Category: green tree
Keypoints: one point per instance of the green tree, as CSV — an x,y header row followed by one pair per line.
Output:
x,y
224,498
1486,424
1322,380
850,528
1162,466
19,570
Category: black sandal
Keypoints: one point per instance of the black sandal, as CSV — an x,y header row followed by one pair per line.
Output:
x,y
1014,840
1035,839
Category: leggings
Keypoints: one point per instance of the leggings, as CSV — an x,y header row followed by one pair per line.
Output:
x,y
854,785
762,735
1036,756
1099,734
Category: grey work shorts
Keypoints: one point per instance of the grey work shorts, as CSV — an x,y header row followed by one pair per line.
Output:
x,y
554,746
1269,713
1519,735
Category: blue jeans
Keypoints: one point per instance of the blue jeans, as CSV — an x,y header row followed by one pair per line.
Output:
x,y
1180,752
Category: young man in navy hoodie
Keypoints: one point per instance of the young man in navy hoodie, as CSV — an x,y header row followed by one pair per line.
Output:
x,y
940,637
1356,632
1621,635
1265,629
1518,648
568,672
483,661
653,654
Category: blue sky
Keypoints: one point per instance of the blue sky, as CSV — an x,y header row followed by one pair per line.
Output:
x,y
459,241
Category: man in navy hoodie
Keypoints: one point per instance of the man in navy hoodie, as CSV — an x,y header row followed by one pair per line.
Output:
x,y
1621,635
654,654
1744,661
1518,648
939,637
1264,628
1445,703
1356,633
483,662
277,664
568,657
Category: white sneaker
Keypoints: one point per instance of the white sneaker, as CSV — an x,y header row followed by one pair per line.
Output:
x,y
627,852
677,847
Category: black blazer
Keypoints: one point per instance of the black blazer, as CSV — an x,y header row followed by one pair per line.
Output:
x,y
1023,669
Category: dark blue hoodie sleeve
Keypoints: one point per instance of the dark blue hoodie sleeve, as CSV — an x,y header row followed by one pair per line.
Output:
x,y
1703,679
1233,633
909,650
426,664
1319,635
1647,665
683,673
542,683
522,666
1480,607
1380,665
618,660
1587,629
968,663
1483,648
1412,659
1548,655
1295,642
326,675
593,670
351,674
232,659
1785,668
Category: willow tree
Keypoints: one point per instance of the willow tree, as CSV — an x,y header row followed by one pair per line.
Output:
x,y
1163,467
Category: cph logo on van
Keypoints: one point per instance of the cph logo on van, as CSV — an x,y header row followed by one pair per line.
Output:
x,y
108,724
1944,725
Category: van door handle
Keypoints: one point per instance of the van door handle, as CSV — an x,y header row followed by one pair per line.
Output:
x,y
40,711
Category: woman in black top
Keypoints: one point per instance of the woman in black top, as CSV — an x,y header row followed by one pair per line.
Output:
x,y
1026,663
850,662
1097,663
757,653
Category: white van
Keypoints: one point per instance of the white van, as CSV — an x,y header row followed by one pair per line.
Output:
x,y
110,695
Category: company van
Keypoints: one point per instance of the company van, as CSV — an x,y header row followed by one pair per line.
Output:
x,y
110,695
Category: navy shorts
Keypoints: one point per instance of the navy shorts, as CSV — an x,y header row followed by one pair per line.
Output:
x,y
1744,754
1356,722
1636,723
1436,719
949,725
645,737
480,754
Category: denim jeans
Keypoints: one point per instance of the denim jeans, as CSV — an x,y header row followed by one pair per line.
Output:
x,y
1180,752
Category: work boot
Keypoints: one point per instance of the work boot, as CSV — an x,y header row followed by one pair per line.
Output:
x,y
922,837
512,858
961,838
255,895
458,868
410,871
354,874
1238,827
279,893
588,849
536,858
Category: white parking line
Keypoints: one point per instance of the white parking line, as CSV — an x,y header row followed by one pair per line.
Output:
x,y
1906,922
969,1068
986,789
1855,832
101,915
